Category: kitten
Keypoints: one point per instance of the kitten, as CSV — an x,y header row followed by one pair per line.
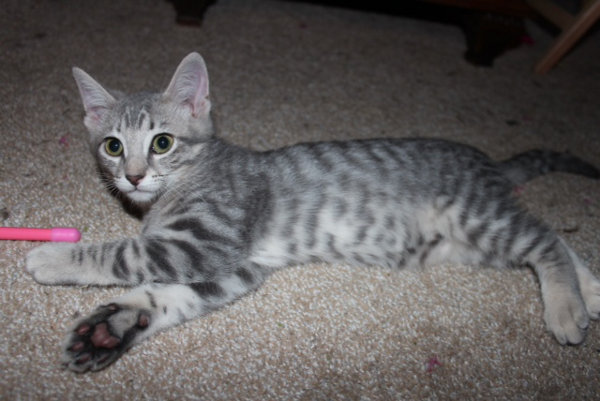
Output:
x,y
220,218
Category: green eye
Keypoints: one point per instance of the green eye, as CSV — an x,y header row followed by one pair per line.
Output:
x,y
113,147
162,143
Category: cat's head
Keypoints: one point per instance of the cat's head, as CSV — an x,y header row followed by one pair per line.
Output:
x,y
144,142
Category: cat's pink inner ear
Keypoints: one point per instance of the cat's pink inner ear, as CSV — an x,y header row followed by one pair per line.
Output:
x,y
96,113
96,100
189,85
200,103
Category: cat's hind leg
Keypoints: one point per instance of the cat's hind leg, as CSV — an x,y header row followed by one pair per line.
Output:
x,y
565,311
588,283
525,241
502,234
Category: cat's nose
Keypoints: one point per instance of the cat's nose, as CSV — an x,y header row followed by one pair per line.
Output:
x,y
134,179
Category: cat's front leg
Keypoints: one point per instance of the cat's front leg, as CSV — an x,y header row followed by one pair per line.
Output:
x,y
104,335
101,337
117,262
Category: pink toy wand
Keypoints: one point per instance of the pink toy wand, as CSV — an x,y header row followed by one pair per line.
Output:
x,y
40,234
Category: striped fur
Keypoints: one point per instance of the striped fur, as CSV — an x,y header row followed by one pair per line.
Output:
x,y
219,218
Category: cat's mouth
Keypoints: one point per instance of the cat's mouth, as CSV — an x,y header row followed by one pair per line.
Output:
x,y
138,193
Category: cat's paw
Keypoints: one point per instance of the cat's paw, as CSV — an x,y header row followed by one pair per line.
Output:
x,y
102,337
588,284
566,316
51,263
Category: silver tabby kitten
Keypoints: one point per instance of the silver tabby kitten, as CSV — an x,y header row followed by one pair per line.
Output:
x,y
220,218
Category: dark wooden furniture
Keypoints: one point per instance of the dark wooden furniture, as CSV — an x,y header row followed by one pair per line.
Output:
x,y
491,26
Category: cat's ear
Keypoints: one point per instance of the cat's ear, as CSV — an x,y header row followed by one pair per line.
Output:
x,y
189,85
96,100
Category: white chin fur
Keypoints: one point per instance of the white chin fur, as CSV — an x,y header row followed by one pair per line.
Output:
x,y
138,196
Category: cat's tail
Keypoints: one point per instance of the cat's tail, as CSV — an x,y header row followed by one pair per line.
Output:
x,y
533,163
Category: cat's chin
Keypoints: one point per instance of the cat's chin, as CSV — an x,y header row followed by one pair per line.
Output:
x,y
141,197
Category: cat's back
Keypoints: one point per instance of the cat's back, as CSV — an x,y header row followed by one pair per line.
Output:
x,y
412,165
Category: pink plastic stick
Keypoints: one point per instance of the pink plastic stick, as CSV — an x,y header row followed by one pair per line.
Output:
x,y
40,234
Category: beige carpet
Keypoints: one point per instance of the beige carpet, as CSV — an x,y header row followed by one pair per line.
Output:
x,y
282,73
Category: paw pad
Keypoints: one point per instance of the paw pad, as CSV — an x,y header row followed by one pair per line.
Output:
x,y
103,336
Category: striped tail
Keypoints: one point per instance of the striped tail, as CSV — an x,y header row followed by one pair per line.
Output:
x,y
533,163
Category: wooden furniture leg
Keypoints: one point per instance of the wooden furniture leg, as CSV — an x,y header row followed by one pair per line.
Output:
x,y
573,27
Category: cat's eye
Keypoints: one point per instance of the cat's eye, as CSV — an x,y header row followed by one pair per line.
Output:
x,y
113,147
162,143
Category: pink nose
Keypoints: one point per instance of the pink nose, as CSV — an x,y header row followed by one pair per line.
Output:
x,y
134,179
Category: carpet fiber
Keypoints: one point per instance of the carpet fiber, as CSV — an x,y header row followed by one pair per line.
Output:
x,y
282,73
